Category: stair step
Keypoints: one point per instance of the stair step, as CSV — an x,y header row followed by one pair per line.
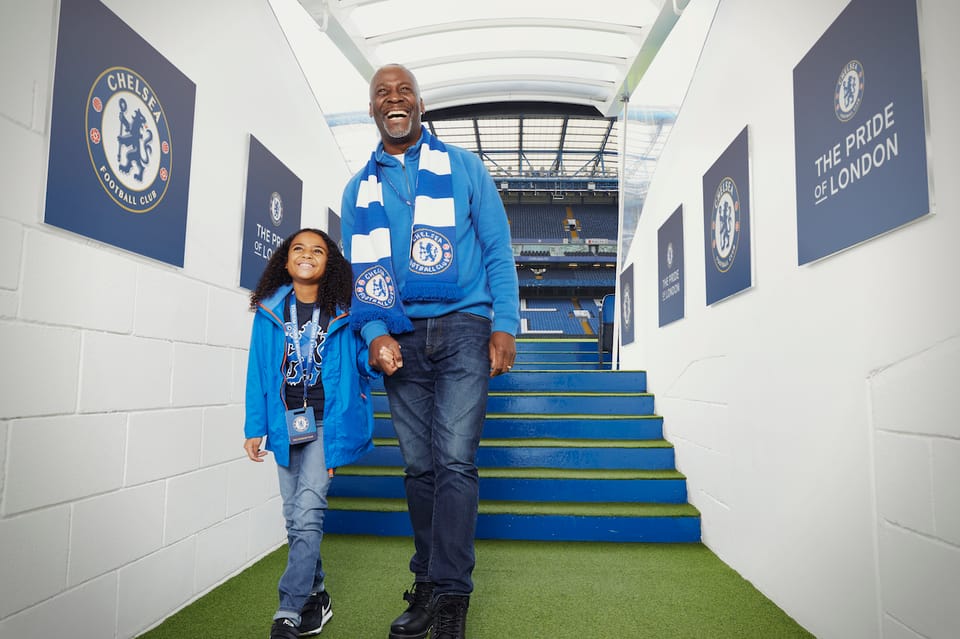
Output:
x,y
579,380
550,366
559,521
505,426
548,402
571,451
557,356
550,453
584,381
543,344
531,484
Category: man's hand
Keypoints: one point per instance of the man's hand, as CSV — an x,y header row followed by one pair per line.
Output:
x,y
385,354
503,352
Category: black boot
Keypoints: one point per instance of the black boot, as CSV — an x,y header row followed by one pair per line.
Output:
x,y
417,619
450,617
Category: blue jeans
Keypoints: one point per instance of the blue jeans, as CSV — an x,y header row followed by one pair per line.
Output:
x,y
303,488
438,402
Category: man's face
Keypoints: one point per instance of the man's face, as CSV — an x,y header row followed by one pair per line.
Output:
x,y
395,106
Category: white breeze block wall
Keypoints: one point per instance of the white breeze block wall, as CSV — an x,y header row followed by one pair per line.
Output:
x,y
124,491
814,414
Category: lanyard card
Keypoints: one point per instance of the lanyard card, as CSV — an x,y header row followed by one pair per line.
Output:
x,y
301,425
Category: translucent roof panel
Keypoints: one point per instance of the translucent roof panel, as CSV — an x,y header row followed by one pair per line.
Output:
x,y
537,88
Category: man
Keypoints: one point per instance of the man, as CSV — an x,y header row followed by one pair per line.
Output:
x,y
436,299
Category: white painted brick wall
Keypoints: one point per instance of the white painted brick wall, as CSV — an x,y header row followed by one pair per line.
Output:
x,y
267,529
33,553
27,48
9,302
120,372
893,629
113,530
228,320
22,191
11,243
169,306
917,467
162,444
202,375
4,432
929,380
88,611
239,376
59,459
122,379
194,502
222,435
919,582
94,289
151,587
28,354
218,549
904,472
946,490
250,484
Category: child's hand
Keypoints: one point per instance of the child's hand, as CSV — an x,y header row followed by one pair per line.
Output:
x,y
252,447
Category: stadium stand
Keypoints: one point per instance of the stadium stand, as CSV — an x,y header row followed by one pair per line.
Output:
x,y
597,221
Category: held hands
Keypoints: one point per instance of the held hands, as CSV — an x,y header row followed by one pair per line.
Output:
x,y
503,352
252,448
385,354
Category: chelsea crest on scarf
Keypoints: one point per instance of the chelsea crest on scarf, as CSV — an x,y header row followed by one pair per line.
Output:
x,y
432,269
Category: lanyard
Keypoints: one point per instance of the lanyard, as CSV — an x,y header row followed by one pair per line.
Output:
x,y
393,186
305,365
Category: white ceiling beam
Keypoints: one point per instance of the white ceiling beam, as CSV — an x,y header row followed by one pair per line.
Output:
x,y
518,54
341,33
635,32
656,35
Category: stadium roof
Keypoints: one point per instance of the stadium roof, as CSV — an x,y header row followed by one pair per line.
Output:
x,y
535,87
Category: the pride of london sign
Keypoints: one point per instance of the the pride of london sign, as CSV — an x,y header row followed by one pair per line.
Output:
x,y
861,154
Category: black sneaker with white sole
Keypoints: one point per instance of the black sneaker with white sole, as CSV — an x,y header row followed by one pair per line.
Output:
x,y
284,628
316,612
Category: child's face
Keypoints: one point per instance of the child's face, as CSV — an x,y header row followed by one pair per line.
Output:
x,y
307,260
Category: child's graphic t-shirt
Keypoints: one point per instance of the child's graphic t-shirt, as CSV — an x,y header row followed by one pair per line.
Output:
x,y
295,368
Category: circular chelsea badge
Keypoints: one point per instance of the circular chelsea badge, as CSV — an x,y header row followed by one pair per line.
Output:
x,y
301,424
128,139
849,91
375,286
725,225
276,208
430,252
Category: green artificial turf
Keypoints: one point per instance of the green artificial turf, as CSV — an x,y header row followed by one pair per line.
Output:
x,y
523,590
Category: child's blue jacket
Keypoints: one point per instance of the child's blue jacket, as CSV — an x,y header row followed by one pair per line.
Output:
x,y
345,373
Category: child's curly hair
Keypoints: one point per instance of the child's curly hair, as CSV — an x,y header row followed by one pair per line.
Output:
x,y
336,286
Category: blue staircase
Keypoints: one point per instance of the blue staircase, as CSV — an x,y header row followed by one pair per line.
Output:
x,y
571,451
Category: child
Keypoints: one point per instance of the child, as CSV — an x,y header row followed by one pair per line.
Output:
x,y
308,392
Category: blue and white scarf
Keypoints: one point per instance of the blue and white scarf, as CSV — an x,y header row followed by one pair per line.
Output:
x,y
432,267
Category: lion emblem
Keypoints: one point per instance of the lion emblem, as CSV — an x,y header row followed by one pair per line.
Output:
x,y
131,137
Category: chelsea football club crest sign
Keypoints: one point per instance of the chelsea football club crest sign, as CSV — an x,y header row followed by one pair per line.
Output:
x,y
726,221
859,128
121,134
272,212
670,268
128,140
725,224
